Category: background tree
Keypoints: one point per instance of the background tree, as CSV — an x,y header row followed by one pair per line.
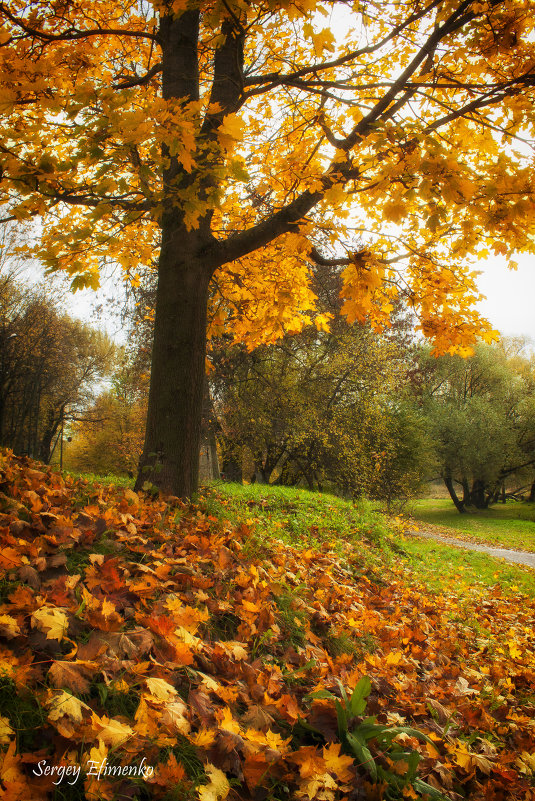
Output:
x,y
108,437
234,137
323,408
480,413
48,363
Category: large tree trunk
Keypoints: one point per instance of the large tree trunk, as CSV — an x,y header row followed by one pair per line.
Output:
x,y
170,458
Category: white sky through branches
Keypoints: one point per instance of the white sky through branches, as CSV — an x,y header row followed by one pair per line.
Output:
x,y
510,303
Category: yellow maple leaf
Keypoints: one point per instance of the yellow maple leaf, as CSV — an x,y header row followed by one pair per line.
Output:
x,y
173,716
514,650
231,126
10,772
9,627
469,761
6,730
203,738
227,722
112,732
161,689
218,787
338,764
52,621
64,704
526,763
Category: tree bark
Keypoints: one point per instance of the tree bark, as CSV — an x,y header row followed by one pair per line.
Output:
x,y
170,458
448,481
466,491
477,495
232,469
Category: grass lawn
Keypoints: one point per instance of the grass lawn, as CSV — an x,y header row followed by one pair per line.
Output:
x,y
445,568
510,525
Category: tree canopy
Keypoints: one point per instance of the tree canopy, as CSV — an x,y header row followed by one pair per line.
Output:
x,y
233,143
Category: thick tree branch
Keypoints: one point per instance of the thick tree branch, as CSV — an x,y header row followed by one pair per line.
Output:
x,y
227,85
72,33
321,261
281,222
180,39
140,80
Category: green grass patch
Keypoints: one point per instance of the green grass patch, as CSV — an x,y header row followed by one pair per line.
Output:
x,y
446,568
93,479
291,619
297,517
510,525
25,714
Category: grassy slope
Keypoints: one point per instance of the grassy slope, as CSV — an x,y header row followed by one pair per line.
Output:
x,y
510,525
308,519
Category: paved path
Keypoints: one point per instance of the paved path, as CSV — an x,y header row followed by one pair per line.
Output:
x,y
520,557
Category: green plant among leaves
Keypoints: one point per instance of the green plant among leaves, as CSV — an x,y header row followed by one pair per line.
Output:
x,y
357,736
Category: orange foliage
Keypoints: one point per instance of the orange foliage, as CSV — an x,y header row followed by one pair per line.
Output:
x,y
235,702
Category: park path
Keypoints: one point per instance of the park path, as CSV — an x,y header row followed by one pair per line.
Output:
x,y
520,557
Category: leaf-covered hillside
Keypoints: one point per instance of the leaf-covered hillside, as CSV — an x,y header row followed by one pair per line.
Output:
x,y
142,632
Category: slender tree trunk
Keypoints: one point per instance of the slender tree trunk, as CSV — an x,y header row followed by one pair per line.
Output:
x,y
170,458
448,481
260,475
210,425
466,491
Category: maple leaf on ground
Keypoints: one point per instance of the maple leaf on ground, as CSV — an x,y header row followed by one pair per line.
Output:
x,y
256,769
73,675
168,774
52,621
160,689
131,644
342,766
309,761
203,738
6,730
218,787
23,599
9,557
173,716
63,704
147,724
470,761
111,731
11,776
9,627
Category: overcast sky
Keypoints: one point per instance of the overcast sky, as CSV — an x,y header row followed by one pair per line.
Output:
x,y
510,303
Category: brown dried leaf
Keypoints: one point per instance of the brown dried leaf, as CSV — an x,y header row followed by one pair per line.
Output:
x,y
72,675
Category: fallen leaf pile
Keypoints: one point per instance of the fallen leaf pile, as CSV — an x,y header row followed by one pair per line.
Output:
x,y
150,640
